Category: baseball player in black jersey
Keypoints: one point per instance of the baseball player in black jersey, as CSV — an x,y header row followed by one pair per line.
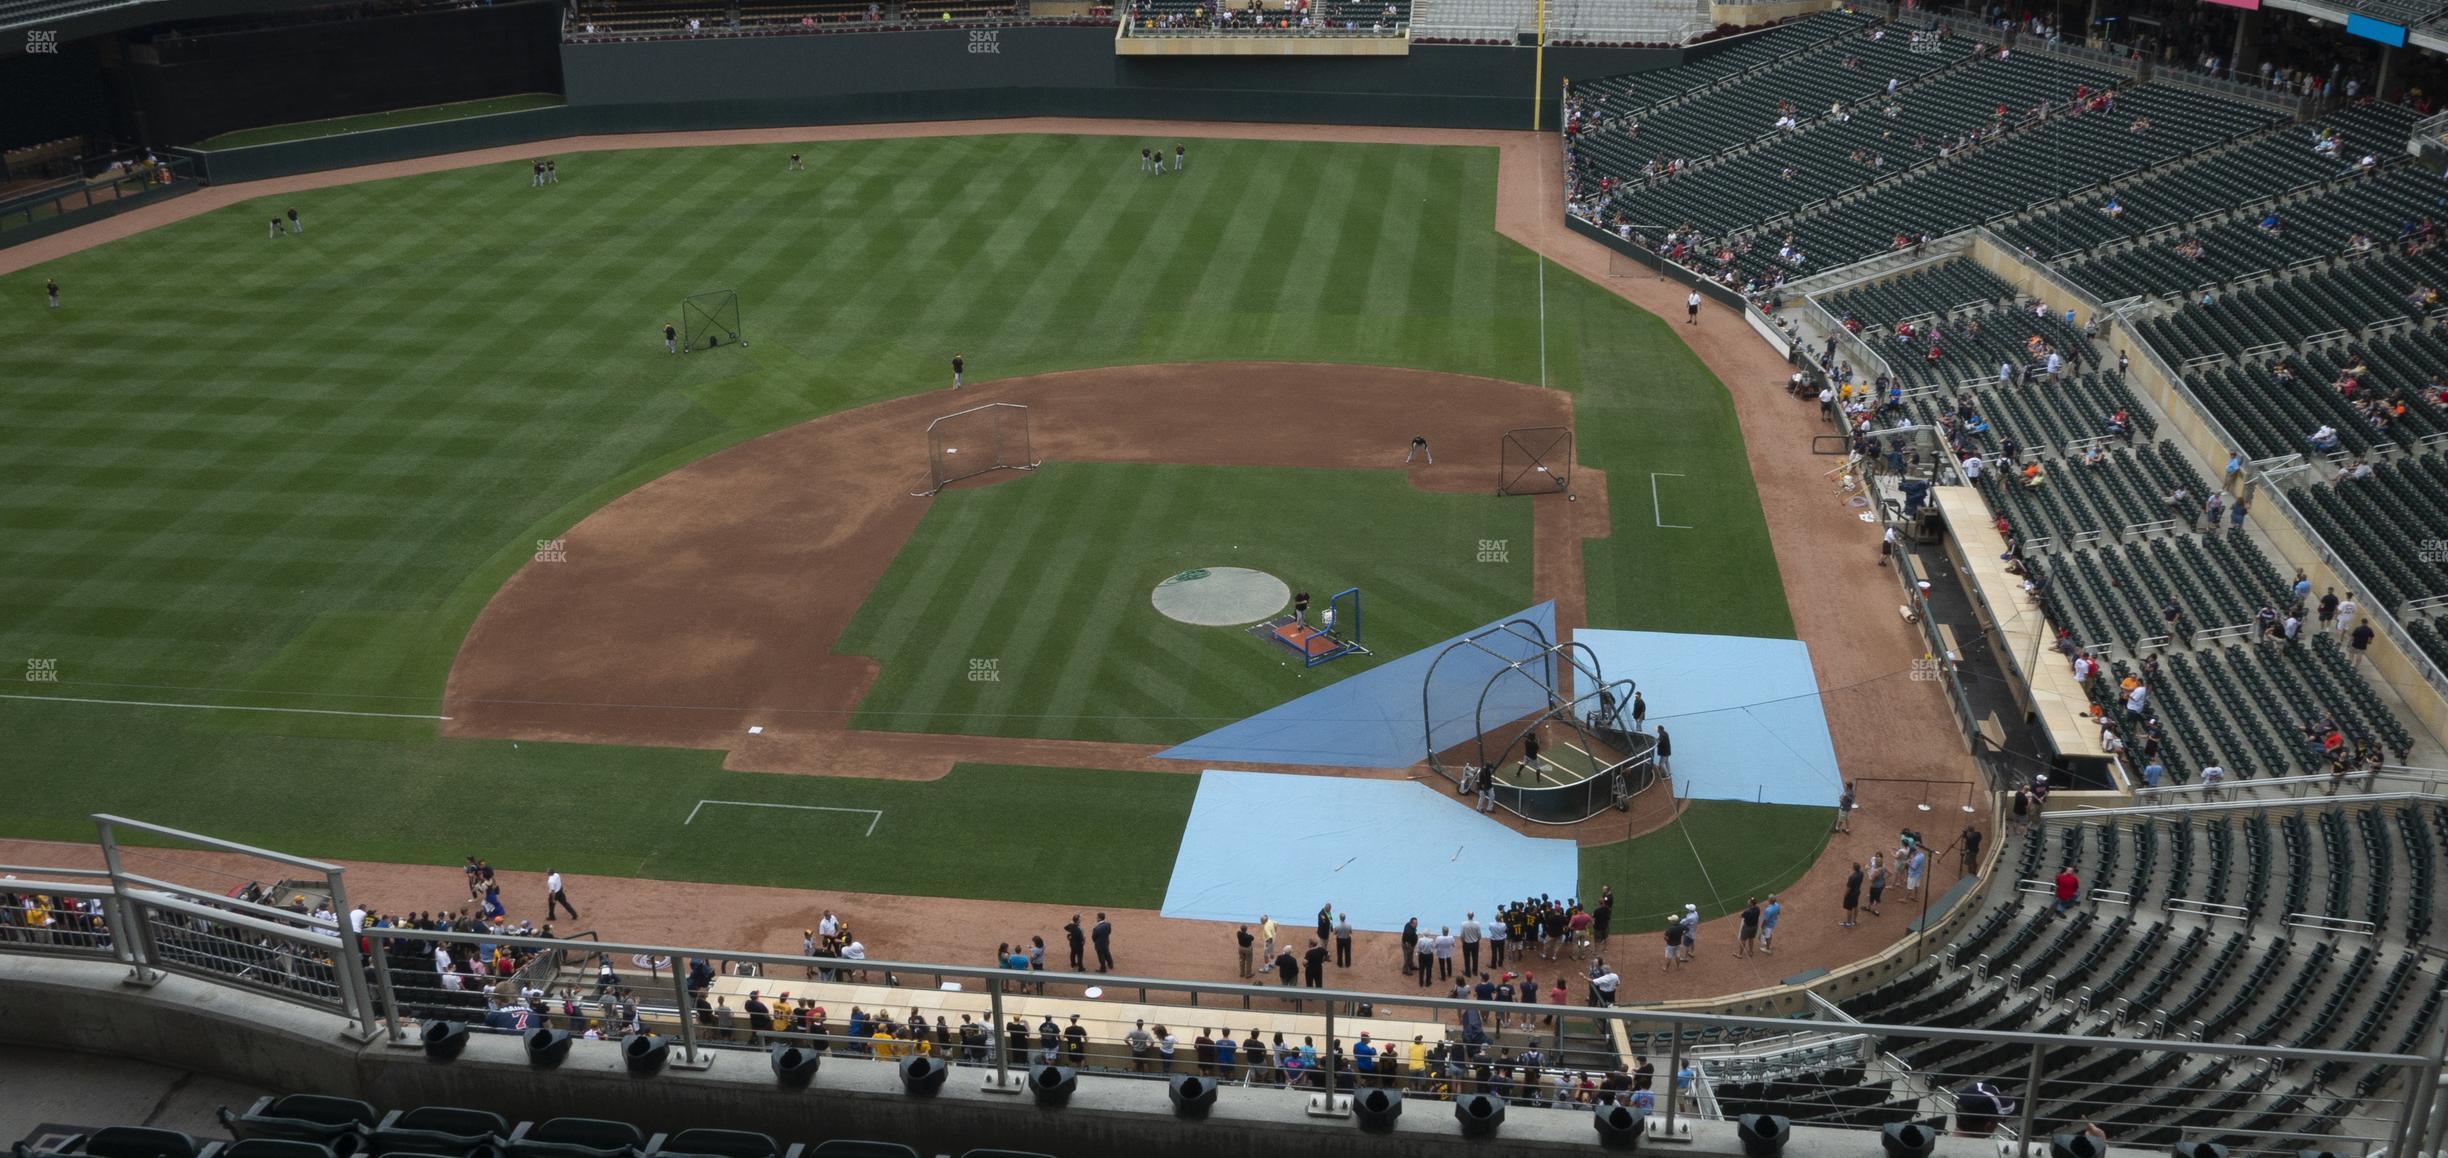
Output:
x,y
51,290
671,339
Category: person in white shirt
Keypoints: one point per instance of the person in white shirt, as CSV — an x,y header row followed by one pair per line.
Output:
x,y
357,919
554,895
1603,986
2347,610
1691,309
1972,465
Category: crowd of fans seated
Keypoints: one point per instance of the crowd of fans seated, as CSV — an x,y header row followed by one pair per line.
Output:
x,y
1221,16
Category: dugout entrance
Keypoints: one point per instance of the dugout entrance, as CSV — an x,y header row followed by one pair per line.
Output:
x,y
1489,694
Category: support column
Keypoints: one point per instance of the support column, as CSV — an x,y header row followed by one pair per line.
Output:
x,y
2245,53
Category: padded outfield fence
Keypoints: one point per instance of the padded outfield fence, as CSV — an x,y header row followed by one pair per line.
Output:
x,y
1821,1067
42,211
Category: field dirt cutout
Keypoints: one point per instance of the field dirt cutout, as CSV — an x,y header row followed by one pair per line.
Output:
x,y
708,601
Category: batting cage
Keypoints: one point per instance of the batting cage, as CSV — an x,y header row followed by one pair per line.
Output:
x,y
1533,723
976,441
1332,634
1535,460
711,319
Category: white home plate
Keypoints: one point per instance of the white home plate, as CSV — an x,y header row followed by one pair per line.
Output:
x,y
1221,596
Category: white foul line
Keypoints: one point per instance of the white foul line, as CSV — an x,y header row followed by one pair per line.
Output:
x,y
226,707
1655,509
876,813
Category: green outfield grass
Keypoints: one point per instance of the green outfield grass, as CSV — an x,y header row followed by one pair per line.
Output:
x,y
421,115
984,831
1049,577
1718,854
290,472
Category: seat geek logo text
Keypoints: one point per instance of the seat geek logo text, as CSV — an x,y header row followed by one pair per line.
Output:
x,y
985,41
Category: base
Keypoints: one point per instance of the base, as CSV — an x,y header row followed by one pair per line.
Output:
x,y
704,1060
1657,1131
1330,1105
1008,1083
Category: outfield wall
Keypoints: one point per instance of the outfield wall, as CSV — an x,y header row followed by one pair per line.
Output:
x,y
1064,71
193,87
772,81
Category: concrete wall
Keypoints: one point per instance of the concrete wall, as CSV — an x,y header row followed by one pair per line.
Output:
x,y
1746,15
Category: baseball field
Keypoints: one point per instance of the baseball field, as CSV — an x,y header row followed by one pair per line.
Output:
x,y
263,489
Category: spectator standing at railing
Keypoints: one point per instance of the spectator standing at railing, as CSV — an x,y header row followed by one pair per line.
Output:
x,y
1077,939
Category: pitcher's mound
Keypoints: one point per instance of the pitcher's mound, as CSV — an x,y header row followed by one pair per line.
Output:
x,y
1221,596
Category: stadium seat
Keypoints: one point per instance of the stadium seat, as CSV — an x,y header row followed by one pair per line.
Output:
x,y
304,1117
579,1138
860,1148
126,1142
713,1143
287,1148
443,1130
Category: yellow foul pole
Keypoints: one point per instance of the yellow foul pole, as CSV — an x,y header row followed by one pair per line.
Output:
x,y
1538,74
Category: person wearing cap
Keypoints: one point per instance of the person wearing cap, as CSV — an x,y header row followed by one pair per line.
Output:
x,y
1364,1055
1691,930
760,1017
1139,1042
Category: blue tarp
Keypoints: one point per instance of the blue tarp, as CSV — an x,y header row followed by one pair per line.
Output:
x,y
1375,719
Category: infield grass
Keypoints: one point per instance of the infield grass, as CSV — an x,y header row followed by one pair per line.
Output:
x,y
290,472
1048,578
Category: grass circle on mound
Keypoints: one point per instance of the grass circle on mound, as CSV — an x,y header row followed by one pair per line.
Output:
x,y
1221,596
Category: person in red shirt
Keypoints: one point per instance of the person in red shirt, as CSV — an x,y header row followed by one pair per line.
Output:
x,y
2067,886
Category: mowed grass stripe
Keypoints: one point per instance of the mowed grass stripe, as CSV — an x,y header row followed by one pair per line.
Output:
x,y
1082,652
305,464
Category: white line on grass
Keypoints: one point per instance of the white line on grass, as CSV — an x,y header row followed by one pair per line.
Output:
x,y
226,707
1656,508
876,814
